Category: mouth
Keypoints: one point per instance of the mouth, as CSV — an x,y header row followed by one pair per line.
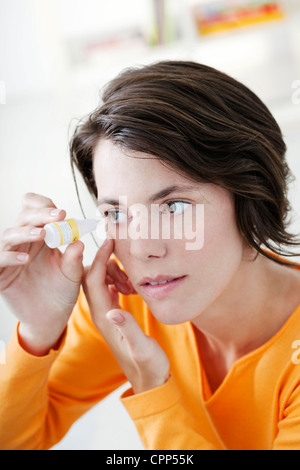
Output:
x,y
161,285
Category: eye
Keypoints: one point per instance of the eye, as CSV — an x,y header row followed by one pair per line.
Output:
x,y
115,216
175,207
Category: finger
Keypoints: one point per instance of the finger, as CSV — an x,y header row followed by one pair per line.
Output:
x,y
133,291
108,280
40,217
130,329
10,258
71,261
114,296
98,269
124,288
120,278
36,201
15,236
114,271
94,285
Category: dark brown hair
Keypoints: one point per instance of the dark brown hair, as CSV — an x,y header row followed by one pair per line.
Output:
x,y
209,127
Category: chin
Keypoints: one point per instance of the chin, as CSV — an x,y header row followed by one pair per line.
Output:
x,y
168,313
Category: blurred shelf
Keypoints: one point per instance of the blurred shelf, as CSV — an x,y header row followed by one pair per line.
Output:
x,y
265,57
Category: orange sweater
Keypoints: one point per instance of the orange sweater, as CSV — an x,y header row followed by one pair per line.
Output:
x,y
256,407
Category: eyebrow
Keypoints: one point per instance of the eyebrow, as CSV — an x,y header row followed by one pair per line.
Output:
x,y
155,197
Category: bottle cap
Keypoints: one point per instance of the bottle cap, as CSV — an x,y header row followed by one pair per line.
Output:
x,y
52,238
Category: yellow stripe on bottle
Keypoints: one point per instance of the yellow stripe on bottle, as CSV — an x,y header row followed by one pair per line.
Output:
x,y
74,228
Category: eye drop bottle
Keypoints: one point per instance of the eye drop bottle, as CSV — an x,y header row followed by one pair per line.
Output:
x,y
68,231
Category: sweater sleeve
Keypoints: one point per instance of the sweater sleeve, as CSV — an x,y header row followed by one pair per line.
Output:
x,y
41,397
154,410
288,437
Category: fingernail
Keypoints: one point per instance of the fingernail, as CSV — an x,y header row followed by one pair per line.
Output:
x,y
117,318
36,232
22,257
54,212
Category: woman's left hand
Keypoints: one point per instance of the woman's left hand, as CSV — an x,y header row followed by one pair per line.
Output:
x,y
142,360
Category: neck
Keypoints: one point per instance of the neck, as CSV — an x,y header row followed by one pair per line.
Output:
x,y
244,316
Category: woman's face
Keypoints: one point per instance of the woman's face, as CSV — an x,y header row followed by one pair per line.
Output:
x,y
153,212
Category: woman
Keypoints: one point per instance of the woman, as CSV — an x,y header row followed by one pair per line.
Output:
x,y
203,332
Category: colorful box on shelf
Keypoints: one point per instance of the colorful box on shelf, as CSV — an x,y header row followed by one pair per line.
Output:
x,y
216,16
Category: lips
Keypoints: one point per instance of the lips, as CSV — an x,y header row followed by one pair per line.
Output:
x,y
156,280
160,286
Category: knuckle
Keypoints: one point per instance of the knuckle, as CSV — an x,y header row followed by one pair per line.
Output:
x,y
141,356
90,281
27,198
5,235
20,220
49,202
32,199
142,359
6,240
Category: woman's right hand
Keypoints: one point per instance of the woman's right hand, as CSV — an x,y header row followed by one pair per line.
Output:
x,y
40,284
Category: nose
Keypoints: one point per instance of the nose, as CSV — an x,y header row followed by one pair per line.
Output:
x,y
145,249
144,233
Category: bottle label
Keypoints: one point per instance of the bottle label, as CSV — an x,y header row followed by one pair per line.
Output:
x,y
74,228
68,231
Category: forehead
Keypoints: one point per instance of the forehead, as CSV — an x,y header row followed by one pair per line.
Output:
x,y
124,172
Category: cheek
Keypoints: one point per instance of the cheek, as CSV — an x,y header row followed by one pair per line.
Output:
x,y
221,231
120,247
220,258
213,265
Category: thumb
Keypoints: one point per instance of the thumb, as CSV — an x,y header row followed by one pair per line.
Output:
x,y
129,328
71,263
143,361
